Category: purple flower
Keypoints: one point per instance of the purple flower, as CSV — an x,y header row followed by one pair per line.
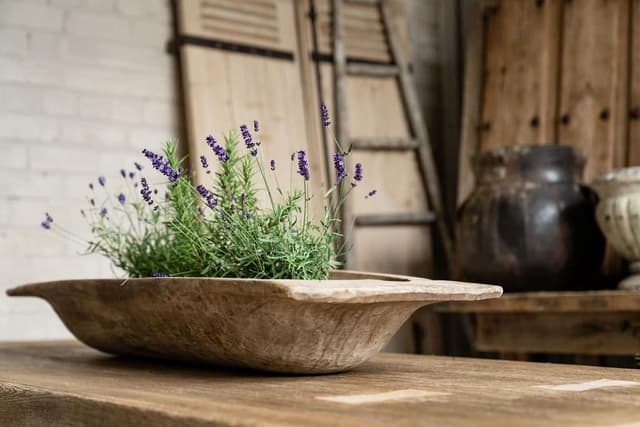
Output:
x,y
158,162
159,274
303,165
204,162
121,198
358,174
371,194
132,175
46,224
103,212
256,126
93,202
145,191
208,195
217,149
138,166
273,165
91,185
102,180
248,140
123,173
338,164
324,113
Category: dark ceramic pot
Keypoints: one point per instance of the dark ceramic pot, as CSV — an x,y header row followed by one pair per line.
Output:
x,y
529,225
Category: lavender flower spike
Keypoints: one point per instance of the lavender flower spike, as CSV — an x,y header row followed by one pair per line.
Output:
x,y
273,165
338,164
102,180
256,126
46,224
123,173
303,165
208,195
103,212
248,140
324,113
371,194
203,161
217,149
121,198
159,274
158,162
145,191
358,174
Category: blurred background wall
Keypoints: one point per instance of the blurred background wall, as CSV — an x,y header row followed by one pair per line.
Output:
x,y
86,84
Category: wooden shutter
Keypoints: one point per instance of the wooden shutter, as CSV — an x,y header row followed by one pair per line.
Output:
x,y
240,62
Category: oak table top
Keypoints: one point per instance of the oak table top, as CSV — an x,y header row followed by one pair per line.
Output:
x,y
66,383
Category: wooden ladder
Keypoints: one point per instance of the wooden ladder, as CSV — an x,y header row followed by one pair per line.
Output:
x,y
419,143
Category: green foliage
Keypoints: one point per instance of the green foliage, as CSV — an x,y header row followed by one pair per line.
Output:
x,y
184,236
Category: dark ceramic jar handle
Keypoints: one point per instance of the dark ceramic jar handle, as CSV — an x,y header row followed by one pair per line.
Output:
x,y
589,194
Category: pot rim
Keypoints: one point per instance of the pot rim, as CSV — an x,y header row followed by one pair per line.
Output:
x,y
352,287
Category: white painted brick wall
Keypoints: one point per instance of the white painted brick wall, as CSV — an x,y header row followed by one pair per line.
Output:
x,y
84,85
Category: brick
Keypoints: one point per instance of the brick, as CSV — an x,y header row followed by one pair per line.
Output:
x,y
161,113
45,46
28,127
158,10
117,82
28,15
117,55
30,184
31,326
92,133
20,98
4,213
58,102
98,26
153,34
149,137
127,110
62,158
14,156
13,42
67,4
43,73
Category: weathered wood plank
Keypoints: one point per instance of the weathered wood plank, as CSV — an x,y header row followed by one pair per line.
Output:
x,y
560,302
471,107
67,384
633,142
520,71
613,333
594,58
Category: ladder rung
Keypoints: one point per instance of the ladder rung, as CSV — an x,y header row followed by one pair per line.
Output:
x,y
375,220
376,70
384,144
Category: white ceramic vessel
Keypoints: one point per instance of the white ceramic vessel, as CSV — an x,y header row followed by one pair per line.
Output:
x,y
618,215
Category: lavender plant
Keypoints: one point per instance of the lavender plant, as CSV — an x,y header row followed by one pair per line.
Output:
x,y
218,229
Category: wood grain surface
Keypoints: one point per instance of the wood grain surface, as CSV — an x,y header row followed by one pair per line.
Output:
x,y
538,302
63,383
585,323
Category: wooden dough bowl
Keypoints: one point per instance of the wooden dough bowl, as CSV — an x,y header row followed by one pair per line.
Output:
x,y
286,326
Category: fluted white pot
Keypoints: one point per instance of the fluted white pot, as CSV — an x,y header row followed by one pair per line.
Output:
x,y
618,214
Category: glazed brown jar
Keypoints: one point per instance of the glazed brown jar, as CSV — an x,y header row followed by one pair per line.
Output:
x,y
529,225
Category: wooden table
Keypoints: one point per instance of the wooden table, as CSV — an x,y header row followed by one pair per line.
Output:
x,y
64,383
587,323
